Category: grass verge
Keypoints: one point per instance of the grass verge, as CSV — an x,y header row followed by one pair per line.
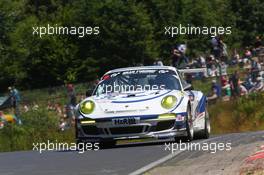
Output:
x,y
240,115
38,126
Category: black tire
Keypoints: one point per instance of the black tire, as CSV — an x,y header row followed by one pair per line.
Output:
x,y
189,128
107,144
76,129
79,145
205,133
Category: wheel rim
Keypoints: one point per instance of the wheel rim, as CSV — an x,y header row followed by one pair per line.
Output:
x,y
190,123
208,125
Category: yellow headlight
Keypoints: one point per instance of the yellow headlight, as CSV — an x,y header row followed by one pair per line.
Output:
x,y
88,121
167,116
87,107
168,102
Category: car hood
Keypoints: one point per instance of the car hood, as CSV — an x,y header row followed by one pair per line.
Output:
x,y
136,103
129,101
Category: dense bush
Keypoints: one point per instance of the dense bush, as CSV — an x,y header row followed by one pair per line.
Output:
x,y
131,32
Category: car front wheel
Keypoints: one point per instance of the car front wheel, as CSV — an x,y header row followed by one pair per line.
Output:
x,y
189,128
207,127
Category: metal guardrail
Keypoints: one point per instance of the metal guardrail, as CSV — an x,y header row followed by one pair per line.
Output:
x,y
204,70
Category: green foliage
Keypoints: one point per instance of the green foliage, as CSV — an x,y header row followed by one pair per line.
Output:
x,y
131,32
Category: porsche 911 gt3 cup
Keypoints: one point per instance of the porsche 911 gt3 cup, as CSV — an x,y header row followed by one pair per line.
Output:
x,y
142,102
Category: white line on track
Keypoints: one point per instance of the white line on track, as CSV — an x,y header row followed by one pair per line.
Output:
x,y
165,159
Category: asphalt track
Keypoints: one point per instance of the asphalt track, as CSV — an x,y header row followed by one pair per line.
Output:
x,y
123,159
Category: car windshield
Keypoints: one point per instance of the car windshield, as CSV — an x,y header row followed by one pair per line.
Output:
x,y
138,80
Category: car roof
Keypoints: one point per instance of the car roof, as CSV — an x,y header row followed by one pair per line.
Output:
x,y
140,68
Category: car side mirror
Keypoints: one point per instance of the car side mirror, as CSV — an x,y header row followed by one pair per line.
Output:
x,y
187,87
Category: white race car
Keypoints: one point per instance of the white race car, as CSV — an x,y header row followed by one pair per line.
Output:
x,y
142,102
